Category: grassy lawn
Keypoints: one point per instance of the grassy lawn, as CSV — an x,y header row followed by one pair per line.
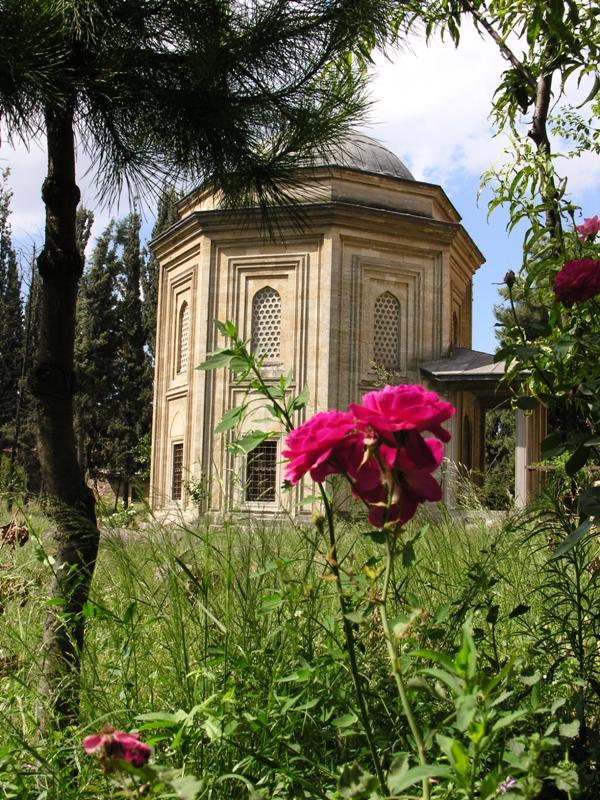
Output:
x,y
223,646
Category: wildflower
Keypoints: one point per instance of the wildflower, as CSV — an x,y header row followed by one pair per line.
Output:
x,y
589,228
508,783
578,280
111,744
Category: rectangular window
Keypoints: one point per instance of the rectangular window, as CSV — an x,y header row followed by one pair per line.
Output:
x,y
261,473
177,471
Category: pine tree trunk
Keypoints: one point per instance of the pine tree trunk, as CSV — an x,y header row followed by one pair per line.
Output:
x,y
70,502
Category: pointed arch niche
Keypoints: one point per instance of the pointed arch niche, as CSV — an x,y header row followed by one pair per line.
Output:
x,y
266,324
386,334
183,339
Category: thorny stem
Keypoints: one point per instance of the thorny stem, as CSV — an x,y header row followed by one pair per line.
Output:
x,y
393,655
350,646
347,627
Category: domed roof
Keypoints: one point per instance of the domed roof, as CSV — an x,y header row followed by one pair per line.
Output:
x,y
360,152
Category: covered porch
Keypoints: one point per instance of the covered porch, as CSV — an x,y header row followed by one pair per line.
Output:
x,y
471,381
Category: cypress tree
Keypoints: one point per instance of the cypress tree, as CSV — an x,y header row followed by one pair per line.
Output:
x,y
27,455
166,215
96,344
11,320
133,379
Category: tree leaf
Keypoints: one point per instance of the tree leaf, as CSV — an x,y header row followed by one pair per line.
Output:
x,y
345,720
216,360
577,460
588,502
569,730
400,781
231,418
301,399
572,539
187,787
466,706
527,403
519,610
355,783
227,328
247,443
553,445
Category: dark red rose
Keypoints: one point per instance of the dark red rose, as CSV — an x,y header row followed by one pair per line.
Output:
x,y
578,280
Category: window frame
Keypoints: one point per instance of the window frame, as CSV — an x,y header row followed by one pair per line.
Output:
x,y
267,502
176,446
179,370
397,367
270,360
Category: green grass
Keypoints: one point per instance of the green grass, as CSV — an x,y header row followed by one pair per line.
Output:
x,y
239,626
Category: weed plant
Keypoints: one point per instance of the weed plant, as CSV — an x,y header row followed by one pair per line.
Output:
x,y
222,644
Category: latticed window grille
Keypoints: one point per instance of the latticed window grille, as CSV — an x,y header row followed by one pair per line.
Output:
x,y
177,471
261,473
386,351
183,338
266,324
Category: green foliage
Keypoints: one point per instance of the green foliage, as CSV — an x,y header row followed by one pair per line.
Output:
x,y
166,215
223,647
11,321
499,476
278,396
114,403
270,80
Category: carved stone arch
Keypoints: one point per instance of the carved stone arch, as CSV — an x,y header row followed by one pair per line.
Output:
x,y
183,339
386,333
266,324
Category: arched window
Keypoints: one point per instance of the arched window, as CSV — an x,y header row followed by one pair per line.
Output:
x,y
266,324
386,350
183,338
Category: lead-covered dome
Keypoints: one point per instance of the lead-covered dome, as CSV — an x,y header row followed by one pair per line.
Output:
x,y
363,153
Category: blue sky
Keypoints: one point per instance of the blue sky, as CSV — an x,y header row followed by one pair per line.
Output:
x,y
430,106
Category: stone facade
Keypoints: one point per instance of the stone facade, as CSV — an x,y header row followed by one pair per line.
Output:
x,y
379,272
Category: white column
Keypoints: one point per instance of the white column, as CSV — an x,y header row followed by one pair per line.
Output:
x,y
520,459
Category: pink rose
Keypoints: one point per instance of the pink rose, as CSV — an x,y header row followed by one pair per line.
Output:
x,y
589,228
379,448
112,744
578,280
313,446
404,408
409,483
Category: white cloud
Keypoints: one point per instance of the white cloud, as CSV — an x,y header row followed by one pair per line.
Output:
x,y
431,106
28,166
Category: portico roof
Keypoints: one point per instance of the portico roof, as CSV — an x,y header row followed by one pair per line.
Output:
x,y
464,366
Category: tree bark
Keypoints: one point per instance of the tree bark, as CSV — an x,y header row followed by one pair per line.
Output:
x,y
69,501
538,133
